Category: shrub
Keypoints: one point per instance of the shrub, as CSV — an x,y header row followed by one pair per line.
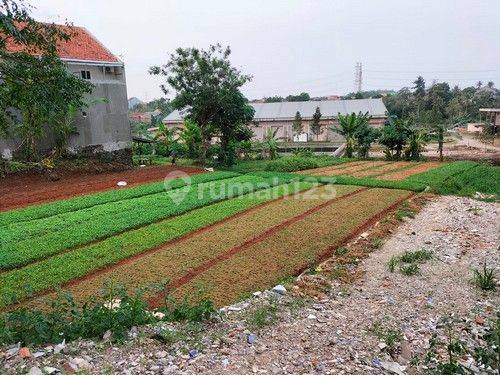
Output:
x,y
291,164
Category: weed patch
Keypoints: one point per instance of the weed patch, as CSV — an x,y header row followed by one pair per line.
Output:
x,y
484,278
408,261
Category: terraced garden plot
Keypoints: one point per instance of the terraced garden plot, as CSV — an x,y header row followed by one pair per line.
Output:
x,y
333,167
407,172
349,169
78,203
385,168
23,243
173,260
291,249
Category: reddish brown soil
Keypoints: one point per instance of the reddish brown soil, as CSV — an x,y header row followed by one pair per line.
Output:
x,y
28,189
159,298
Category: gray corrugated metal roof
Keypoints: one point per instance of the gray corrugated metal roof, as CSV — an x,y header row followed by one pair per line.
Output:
x,y
287,110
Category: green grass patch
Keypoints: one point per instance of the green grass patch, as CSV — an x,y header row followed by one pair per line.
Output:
x,y
79,203
462,178
290,163
348,180
23,243
408,261
55,271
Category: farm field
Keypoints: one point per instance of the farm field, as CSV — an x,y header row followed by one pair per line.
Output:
x,y
28,189
226,232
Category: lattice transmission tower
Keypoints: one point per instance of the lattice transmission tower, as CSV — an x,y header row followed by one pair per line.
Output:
x,y
358,77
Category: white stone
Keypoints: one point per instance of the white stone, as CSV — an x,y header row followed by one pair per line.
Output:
x,y
280,289
35,371
50,370
122,183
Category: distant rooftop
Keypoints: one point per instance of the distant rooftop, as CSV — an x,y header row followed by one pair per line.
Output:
x,y
287,110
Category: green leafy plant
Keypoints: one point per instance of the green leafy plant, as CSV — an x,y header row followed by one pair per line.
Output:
x,y
409,269
484,278
114,309
390,336
262,316
408,261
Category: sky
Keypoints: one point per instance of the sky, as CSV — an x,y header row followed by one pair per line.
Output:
x,y
293,46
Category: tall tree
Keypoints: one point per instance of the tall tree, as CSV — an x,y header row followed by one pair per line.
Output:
x,y
45,94
302,97
357,133
315,126
297,126
18,26
394,137
207,87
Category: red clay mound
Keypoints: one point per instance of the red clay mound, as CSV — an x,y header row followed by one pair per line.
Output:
x,y
28,189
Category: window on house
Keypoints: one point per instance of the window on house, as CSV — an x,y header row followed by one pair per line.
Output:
x,y
85,74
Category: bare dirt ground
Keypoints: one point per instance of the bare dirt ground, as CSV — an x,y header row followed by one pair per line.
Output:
x,y
467,147
382,323
27,189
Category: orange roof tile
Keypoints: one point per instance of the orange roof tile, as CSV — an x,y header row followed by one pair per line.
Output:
x,y
82,46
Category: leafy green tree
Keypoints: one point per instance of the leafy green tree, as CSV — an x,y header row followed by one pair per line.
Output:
x,y
357,133
365,135
45,94
419,88
302,97
274,99
315,126
191,136
207,86
18,26
297,126
417,139
394,137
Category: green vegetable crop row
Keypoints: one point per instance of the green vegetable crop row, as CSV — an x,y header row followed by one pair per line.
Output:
x,y
35,240
79,203
61,268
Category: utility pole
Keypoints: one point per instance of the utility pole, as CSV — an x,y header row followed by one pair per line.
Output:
x,y
358,77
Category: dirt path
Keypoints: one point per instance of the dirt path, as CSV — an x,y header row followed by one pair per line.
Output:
x,y
24,190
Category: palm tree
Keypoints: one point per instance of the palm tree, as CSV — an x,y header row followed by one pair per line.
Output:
x,y
348,125
271,143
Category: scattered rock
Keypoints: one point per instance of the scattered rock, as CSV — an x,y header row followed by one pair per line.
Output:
x,y
60,347
35,371
251,338
24,353
80,363
38,354
161,354
393,367
50,370
107,335
280,289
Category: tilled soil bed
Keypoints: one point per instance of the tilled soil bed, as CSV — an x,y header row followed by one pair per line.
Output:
x,y
28,189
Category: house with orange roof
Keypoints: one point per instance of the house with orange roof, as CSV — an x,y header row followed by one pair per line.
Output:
x,y
102,129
